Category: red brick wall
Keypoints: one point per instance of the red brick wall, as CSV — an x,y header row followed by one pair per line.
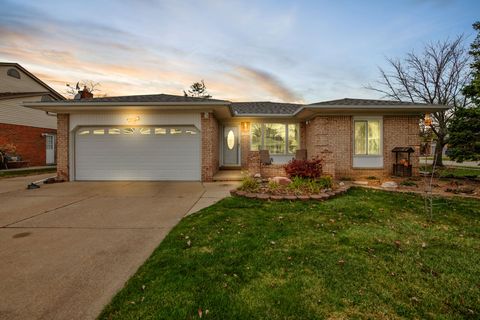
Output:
x,y
63,128
266,171
29,142
330,138
210,151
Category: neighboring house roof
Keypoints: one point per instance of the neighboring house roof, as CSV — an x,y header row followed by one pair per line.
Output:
x,y
264,108
365,102
31,75
12,95
150,98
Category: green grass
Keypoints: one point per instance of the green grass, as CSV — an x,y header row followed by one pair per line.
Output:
x,y
20,173
368,254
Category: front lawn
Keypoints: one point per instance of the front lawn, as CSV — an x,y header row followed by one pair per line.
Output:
x,y
26,172
367,254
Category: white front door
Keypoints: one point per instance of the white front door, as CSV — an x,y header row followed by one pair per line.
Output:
x,y
138,153
50,149
231,156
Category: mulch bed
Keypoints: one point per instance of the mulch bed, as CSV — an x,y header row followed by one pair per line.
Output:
x,y
278,197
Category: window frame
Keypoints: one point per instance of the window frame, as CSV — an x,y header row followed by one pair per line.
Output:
x,y
366,120
262,137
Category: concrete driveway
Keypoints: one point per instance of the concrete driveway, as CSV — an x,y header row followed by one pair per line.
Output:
x,y
66,249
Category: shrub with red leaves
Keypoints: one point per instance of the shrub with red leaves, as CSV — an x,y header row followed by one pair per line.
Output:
x,y
311,169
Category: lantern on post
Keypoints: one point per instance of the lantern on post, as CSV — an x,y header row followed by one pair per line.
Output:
x,y
427,120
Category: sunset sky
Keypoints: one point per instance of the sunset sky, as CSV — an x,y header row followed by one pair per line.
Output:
x,y
292,51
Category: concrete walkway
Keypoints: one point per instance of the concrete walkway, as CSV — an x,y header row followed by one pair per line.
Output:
x,y
448,163
67,248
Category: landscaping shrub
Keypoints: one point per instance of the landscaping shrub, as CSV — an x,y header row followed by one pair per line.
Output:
x,y
273,186
408,183
304,168
325,182
249,184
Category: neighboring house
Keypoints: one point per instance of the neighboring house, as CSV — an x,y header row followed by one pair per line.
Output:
x,y
166,137
31,131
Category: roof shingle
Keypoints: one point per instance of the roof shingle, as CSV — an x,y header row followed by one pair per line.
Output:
x,y
161,98
363,102
264,107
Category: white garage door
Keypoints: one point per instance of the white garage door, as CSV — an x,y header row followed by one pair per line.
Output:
x,y
141,153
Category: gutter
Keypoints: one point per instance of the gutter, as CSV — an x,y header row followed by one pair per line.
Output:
x,y
114,104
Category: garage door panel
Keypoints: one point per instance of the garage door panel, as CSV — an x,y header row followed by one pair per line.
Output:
x,y
137,156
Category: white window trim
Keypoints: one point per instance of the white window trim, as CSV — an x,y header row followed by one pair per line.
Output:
x,y
373,157
262,138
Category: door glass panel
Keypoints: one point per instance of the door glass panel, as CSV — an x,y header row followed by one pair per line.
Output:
x,y
99,131
144,130
175,131
230,140
113,131
191,131
83,132
160,131
128,131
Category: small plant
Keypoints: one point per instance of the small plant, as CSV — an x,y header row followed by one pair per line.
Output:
x,y
408,183
325,182
346,179
249,184
297,185
372,178
304,168
273,186
9,149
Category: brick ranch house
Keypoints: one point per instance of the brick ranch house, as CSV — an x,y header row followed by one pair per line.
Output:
x,y
166,137
31,131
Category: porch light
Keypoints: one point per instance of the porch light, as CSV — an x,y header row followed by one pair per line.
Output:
x,y
428,120
245,126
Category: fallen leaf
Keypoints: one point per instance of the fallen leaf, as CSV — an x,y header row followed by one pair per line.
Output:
x,y
200,312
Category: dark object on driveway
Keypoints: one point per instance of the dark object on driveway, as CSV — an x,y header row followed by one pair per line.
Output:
x,y
33,186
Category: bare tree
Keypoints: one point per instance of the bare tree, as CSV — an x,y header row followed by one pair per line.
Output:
x,y
197,90
90,85
434,76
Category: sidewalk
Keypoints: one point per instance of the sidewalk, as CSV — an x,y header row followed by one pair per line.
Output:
x,y
450,163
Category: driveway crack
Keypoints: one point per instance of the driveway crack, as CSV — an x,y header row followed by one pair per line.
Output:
x,y
47,211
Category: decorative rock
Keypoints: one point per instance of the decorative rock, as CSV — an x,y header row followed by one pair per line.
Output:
x,y
361,183
324,195
303,198
251,195
276,198
330,193
290,197
257,175
241,193
263,196
281,180
389,184
317,197
341,183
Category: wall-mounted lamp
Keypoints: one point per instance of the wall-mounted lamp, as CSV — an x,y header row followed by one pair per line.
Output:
x,y
133,119
245,126
428,120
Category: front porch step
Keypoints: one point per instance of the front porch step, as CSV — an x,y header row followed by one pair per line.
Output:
x,y
228,175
